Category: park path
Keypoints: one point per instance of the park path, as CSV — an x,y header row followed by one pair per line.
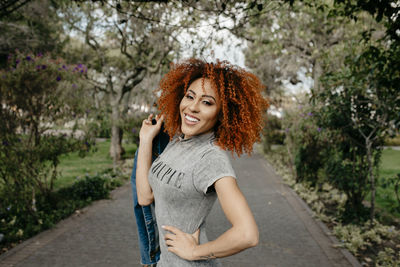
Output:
x,y
104,234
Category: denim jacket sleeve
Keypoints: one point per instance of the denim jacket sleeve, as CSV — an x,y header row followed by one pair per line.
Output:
x,y
145,218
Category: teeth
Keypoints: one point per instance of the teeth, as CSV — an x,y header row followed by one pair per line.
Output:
x,y
191,118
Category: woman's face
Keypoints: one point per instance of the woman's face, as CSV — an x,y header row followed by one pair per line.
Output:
x,y
199,108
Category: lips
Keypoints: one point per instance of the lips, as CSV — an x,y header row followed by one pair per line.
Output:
x,y
191,119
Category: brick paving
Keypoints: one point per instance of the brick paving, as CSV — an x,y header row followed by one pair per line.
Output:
x,y
104,234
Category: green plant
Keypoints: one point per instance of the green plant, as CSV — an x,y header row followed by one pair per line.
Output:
x,y
362,106
36,92
131,126
394,141
307,143
388,258
273,133
100,126
17,225
358,238
394,183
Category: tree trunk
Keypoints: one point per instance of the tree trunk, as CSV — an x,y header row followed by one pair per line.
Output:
x,y
116,149
316,72
372,179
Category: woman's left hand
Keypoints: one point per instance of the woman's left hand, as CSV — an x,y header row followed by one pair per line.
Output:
x,y
181,243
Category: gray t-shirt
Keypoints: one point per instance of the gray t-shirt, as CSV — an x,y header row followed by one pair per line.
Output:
x,y
180,179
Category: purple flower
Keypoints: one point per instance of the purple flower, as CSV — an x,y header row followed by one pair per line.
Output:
x,y
80,65
134,130
64,67
9,57
319,129
58,78
40,55
44,67
17,61
9,207
81,71
28,58
287,130
38,67
309,114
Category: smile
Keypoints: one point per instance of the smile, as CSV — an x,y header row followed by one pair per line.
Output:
x,y
191,119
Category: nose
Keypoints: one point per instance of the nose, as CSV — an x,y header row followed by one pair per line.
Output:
x,y
194,106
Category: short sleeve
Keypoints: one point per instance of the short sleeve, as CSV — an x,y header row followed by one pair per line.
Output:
x,y
213,166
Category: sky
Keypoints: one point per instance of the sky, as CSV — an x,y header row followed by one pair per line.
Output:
x,y
231,48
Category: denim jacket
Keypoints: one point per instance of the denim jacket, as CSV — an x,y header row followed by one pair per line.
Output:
x,y
145,218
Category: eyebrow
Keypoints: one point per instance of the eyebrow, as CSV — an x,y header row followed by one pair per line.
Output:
x,y
203,95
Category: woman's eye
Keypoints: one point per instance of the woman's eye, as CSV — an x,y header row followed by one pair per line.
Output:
x,y
189,96
207,103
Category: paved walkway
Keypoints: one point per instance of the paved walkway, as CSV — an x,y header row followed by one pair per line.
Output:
x,y
104,234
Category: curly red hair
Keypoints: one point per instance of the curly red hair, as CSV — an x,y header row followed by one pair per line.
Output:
x,y
241,117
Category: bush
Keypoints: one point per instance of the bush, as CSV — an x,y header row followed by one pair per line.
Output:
x,y
36,92
395,141
308,143
101,124
17,224
273,133
131,127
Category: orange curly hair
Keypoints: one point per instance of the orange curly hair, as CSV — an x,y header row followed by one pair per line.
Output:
x,y
242,104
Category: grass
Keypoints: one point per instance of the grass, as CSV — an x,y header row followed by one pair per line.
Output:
x,y
385,196
72,166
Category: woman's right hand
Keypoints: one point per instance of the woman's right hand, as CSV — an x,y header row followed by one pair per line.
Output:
x,y
148,131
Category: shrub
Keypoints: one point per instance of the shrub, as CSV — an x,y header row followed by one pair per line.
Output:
x,y
273,133
16,224
35,93
307,142
131,126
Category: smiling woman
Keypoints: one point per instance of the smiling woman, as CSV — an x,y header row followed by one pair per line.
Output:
x,y
241,104
206,108
199,111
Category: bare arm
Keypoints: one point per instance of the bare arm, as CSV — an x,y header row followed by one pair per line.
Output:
x,y
243,233
146,135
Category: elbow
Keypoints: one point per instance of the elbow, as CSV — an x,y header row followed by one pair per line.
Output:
x,y
250,238
145,201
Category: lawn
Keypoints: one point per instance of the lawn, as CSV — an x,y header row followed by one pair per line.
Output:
x,y
390,167
72,166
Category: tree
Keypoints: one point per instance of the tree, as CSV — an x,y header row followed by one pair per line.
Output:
x,y
36,92
295,38
365,101
7,7
121,50
359,102
30,26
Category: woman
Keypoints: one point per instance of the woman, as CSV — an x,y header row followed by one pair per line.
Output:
x,y
207,108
